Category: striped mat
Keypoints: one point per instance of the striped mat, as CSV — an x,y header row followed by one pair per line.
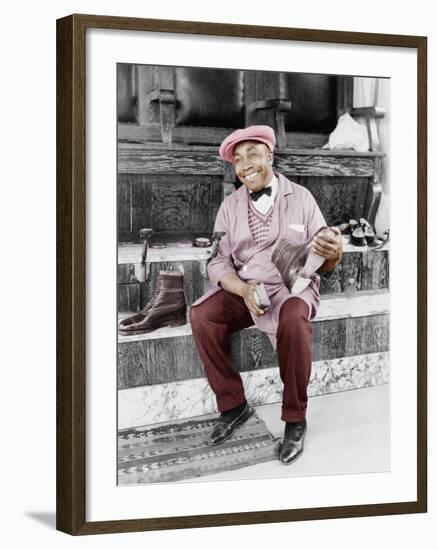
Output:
x,y
179,450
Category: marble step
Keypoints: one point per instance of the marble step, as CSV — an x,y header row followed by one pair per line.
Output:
x,y
361,269
146,405
346,326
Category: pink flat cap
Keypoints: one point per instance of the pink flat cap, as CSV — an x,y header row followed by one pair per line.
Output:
x,y
264,134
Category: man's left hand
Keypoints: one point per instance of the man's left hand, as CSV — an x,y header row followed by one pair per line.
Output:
x,y
329,247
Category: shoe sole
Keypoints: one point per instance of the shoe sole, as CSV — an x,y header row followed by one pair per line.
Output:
x,y
359,242
238,423
134,332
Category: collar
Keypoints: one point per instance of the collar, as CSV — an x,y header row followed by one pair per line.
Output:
x,y
274,185
284,187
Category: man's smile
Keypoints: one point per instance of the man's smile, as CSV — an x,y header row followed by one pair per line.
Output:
x,y
250,177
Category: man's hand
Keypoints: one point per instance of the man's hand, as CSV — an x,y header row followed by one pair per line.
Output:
x,y
329,247
234,284
248,297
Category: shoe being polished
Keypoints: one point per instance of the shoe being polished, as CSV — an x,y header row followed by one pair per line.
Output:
x,y
293,443
167,308
227,423
297,263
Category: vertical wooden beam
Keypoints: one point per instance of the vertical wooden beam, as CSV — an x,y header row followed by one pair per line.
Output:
x,y
167,103
249,96
345,95
229,181
145,87
264,104
164,95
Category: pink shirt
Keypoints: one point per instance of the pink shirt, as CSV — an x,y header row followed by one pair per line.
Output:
x,y
296,217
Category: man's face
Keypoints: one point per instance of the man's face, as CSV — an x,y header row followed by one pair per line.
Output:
x,y
253,164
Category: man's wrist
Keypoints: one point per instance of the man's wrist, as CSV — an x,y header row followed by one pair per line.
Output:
x,y
231,282
241,288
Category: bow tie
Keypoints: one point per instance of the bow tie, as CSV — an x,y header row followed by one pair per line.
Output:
x,y
257,194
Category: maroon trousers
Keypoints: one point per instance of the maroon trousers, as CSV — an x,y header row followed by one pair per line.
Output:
x,y
223,313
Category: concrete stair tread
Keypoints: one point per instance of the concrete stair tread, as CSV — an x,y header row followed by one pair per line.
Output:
x,y
130,253
360,304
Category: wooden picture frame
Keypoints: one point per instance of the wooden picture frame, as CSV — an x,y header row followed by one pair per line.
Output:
x,y
71,273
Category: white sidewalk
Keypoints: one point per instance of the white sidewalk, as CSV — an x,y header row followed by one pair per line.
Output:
x,y
348,433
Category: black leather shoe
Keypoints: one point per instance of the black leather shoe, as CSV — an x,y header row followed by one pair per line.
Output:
x,y
293,443
225,426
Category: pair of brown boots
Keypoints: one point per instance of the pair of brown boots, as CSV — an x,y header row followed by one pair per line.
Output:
x,y
167,308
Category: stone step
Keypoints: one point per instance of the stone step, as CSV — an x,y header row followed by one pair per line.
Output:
x,y
361,269
146,405
345,327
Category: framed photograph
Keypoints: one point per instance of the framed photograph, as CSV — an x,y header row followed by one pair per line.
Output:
x,y
241,274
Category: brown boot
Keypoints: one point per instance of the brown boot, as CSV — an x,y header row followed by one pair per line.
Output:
x,y
296,263
167,308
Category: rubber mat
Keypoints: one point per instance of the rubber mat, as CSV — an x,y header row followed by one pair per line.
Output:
x,y
179,450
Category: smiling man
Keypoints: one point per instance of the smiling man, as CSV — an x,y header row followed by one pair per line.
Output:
x,y
267,207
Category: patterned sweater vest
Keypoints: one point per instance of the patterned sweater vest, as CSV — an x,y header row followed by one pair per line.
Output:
x,y
259,223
